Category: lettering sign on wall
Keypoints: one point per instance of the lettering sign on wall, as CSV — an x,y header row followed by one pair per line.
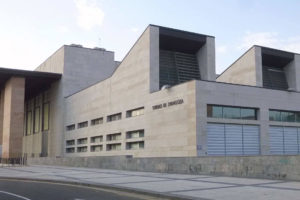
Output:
x,y
168,104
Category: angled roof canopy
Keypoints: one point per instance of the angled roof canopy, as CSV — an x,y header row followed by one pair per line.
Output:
x,y
275,57
35,81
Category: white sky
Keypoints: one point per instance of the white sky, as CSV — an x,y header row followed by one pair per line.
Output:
x,y
32,30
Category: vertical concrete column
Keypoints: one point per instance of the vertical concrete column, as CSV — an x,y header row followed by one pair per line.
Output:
x,y
13,120
297,72
154,59
1,118
264,129
258,66
206,60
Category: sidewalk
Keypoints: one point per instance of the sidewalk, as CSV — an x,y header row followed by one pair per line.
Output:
x,y
176,185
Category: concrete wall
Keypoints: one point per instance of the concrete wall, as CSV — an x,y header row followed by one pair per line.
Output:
x,y
13,120
33,142
270,167
207,60
297,71
247,70
1,117
154,59
55,63
243,96
128,89
84,67
292,71
81,68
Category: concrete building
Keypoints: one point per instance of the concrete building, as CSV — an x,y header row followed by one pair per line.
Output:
x,y
162,100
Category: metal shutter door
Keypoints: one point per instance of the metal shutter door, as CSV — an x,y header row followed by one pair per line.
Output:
x,y
234,139
215,139
276,139
251,140
290,140
298,140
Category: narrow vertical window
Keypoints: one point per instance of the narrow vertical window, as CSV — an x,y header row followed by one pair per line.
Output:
x,y
46,116
36,119
28,122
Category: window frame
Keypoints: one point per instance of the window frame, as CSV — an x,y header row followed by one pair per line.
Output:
x,y
129,112
82,124
210,112
43,116
34,121
295,113
100,119
109,118
68,128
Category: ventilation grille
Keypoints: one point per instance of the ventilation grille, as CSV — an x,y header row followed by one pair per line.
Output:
x,y
274,78
176,67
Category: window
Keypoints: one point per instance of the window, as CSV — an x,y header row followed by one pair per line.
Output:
x,y
298,117
96,148
135,112
28,123
46,113
274,115
70,142
215,111
96,121
135,134
113,137
82,141
114,117
284,116
70,150
135,145
96,139
288,117
248,113
82,149
82,124
229,112
113,147
36,119
71,127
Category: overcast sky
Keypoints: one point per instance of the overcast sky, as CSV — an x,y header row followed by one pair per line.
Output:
x,y
32,30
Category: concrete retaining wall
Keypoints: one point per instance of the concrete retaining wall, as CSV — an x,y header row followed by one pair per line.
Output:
x,y
272,167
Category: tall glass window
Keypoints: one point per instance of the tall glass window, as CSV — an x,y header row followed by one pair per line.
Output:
x,y
28,123
36,119
46,113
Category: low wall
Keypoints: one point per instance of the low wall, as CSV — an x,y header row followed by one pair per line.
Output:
x,y
272,167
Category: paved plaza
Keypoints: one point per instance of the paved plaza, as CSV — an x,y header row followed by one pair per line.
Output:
x,y
173,185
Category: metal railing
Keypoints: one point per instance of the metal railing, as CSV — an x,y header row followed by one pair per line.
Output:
x,y
13,161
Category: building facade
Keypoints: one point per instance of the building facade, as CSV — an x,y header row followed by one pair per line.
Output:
x,y
163,100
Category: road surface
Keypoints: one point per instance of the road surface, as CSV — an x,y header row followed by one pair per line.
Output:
x,y
34,190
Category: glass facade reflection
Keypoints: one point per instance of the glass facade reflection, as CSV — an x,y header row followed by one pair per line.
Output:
x,y
229,112
284,116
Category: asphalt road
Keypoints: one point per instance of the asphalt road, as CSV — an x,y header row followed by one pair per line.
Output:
x,y
32,190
